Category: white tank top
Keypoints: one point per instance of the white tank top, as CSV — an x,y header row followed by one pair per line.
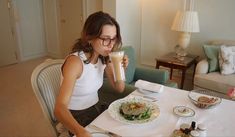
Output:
x,y
85,92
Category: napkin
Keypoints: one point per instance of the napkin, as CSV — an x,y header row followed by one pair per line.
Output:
x,y
149,86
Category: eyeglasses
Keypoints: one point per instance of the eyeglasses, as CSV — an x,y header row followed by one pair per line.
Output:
x,y
107,41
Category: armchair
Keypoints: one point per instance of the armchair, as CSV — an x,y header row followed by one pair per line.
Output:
x,y
133,73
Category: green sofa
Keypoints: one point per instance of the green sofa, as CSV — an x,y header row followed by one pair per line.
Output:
x,y
107,93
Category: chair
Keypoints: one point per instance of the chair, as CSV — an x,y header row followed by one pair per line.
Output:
x,y
45,80
133,73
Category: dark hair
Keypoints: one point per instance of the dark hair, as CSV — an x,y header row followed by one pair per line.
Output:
x,y
92,29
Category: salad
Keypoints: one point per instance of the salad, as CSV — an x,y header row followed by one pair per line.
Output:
x,y
135,111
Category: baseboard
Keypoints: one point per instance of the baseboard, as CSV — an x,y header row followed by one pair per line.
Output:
x,y
25,58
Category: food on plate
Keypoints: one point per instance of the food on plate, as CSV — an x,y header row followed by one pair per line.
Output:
x,y
184,111
179,133
204,101
135,111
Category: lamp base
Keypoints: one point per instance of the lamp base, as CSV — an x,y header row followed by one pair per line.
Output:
x,y
180,52
184,39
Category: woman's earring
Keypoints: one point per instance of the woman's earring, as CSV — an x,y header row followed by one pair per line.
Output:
x,y
90,46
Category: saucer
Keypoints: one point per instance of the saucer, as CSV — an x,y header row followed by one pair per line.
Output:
x,y
183,111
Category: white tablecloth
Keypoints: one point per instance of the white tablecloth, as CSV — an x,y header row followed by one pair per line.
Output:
x,y
220,121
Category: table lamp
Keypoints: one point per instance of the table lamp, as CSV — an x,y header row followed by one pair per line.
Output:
x,y
185,22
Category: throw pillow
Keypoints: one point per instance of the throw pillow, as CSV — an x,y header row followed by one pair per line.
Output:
x,y
227,59
212,53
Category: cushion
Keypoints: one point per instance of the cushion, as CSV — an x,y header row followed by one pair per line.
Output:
x,y
215,81
202,67
212,53
227,59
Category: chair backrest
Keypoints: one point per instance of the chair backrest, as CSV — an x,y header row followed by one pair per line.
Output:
x,y
45,81
129,51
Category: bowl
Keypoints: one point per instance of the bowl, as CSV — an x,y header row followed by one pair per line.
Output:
x,y
203,101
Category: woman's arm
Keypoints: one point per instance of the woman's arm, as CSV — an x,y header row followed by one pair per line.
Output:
x,y
119,85
72,70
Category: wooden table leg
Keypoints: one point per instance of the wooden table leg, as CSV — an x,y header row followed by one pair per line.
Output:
x,y
182,79
171,73
157,65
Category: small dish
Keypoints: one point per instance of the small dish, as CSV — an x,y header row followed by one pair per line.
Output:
x,y
183,111
203,101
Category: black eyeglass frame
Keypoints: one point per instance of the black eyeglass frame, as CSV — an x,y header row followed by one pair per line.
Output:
x,y
107,41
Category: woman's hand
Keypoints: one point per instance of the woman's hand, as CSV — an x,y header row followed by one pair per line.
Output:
x,y
125,61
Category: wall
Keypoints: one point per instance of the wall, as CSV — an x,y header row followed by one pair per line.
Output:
x,y
146,25
216,20
109,6
128,15
30,29
156,36
92,6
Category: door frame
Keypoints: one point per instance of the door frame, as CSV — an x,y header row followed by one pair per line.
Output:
x,y
12,19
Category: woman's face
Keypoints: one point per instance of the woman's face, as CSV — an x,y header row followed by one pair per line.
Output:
x,y
105,42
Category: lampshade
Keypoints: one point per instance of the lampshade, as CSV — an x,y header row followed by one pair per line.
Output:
x,y
186,21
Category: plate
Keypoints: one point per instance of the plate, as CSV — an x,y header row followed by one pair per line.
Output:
x,y
183,111
114,110
99,134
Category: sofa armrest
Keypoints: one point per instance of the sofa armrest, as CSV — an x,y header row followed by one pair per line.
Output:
x,y
151,75
202,67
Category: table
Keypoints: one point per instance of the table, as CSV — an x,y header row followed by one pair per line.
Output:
x,y
171,61
219,120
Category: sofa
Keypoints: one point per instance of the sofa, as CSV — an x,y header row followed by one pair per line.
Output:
x,y
208,77
107,93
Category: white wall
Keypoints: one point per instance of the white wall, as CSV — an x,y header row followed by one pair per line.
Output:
x,y
156,37
216,20
30,29
128,15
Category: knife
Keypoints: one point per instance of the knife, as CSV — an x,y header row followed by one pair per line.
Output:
x,y
103,130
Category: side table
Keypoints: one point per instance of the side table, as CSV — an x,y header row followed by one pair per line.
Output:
x,y
171,61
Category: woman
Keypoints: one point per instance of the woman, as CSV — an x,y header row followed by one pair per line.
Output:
x,y
76,105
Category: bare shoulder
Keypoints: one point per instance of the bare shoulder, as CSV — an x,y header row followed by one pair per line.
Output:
x,y
72,66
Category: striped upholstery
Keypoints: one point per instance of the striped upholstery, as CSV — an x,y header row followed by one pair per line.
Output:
x,y
48,83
